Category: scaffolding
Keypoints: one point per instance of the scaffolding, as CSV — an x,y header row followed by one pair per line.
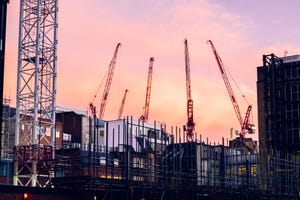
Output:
x,y
145,160
132,159
6,132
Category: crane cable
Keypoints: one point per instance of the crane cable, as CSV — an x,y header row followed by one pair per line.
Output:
x,y
239,89
100,85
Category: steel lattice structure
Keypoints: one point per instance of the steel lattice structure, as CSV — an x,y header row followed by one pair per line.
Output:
x,y
190,125
36,92
148,91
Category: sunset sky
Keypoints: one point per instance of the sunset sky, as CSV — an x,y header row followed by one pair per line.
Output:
x,y
89,31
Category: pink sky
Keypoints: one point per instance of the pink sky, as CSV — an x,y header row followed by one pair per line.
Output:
x,y
89,33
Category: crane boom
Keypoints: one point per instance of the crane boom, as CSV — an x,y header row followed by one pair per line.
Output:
x,y
227,83
144,117
245,126
108,82
122,104
190,111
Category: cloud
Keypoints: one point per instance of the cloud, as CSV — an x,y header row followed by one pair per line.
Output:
x,y
89,32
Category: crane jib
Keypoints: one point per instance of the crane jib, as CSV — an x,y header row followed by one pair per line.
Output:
x,y
245,126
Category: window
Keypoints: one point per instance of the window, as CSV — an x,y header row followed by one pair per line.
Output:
x,y
253,170
294,72
41,130
101,133
2,169
48,132
242,170
57,133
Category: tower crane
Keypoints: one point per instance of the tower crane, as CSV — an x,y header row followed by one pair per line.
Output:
x,y
190,126
144,117
246,127
108,82
122,104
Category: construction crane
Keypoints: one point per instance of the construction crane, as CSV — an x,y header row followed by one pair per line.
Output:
x,y
122,104
190,126
246,127
144,117
108,82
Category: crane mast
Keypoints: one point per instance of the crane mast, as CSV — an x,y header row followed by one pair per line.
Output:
x,y
122,104
144,117
245,126
93,110
190,123
108,82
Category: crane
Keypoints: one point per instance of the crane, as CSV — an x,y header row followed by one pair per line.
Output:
x,y
93,110
144,117
122,104
108,82
246,127
190,126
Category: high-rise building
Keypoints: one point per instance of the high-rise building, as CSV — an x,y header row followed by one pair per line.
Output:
x,y
278,95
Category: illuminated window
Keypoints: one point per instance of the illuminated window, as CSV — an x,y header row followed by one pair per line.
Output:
x,y
138,163
138,178
57,133
253,170
229,172
101,133
242,170
48,132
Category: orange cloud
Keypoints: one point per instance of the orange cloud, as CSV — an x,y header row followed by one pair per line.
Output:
x,y
89,32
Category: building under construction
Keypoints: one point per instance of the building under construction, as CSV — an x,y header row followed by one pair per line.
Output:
x,y
134,160
278,93
51,153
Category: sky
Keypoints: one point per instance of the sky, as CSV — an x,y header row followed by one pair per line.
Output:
x,y
242,31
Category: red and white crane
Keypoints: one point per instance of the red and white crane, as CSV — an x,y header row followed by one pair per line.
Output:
x,y
144,117
122,104
190,126
107,86
246,127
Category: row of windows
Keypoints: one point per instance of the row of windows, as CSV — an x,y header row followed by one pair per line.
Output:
x,y
292,91
292,72
292,111
42,130
286,125
242,171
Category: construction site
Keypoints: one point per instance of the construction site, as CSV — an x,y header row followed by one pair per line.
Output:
x,y
53,152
